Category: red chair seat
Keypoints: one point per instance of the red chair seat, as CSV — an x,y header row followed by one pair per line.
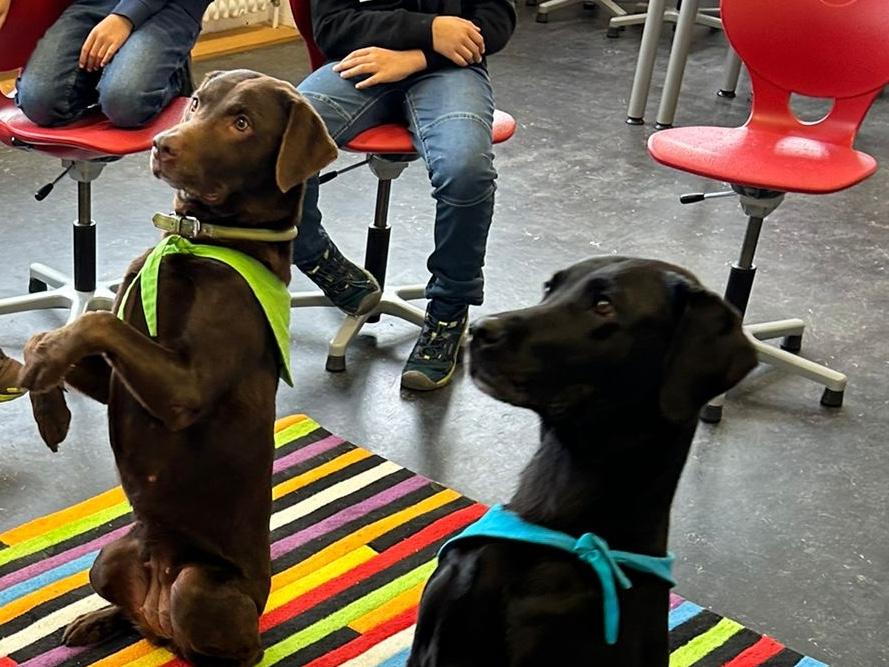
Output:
x,y
762,159
90,138
393,138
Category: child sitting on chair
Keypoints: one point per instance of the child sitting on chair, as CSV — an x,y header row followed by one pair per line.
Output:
x,y
422,62
129,57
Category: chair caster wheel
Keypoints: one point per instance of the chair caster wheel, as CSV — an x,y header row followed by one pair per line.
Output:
x,y
792,343
35,285
542,18
711,414
635,121
335,364
832,399
613,33
727,94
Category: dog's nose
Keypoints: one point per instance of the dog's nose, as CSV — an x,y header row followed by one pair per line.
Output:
x,y
489,331
167,146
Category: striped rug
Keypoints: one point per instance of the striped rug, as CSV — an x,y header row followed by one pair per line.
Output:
x,y
354,538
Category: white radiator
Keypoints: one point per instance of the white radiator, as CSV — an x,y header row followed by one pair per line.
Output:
x,y
228,14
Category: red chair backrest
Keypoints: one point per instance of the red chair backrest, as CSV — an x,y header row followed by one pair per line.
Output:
x,y
302,16
24,26
836,49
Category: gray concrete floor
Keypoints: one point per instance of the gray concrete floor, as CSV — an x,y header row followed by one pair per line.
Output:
x,y
780,521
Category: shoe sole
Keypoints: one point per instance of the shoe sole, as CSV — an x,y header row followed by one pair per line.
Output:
x,y
369,302
416,381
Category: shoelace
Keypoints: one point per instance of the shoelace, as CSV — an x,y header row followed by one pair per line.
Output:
x,y
435,342
336,273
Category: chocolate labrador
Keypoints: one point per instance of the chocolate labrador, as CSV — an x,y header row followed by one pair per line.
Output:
x,y
191,410
617,360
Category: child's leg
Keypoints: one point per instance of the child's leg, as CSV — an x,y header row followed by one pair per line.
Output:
x,y
346,111
149,70
52,89
451,113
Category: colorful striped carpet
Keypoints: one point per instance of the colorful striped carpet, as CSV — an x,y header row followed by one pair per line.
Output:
x,y
354,538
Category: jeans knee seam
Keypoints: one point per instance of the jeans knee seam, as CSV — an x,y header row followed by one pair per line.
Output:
x,y
468,204
455,115
68,114
416,120
349,120
320,97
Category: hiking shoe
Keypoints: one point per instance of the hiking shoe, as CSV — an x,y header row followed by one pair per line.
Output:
x,y
434,357
9,373
349,287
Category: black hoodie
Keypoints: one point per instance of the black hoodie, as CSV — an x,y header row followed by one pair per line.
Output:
x,y
342,26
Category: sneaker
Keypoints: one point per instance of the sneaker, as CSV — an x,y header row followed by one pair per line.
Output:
x,y
434,357
349,287
9,373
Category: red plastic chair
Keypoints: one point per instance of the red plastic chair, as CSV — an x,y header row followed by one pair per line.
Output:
x,y
389,149
835,49
84,147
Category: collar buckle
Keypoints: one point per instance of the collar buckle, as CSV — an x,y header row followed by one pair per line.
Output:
x,y
187,226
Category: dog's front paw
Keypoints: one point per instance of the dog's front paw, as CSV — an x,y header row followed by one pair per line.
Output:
x,y
52,416
46,362
95,627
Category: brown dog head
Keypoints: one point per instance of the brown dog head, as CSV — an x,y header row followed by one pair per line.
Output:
x,y
245,138
614,336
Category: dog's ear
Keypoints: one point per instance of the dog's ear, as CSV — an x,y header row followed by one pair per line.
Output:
x,y
306,147
709,352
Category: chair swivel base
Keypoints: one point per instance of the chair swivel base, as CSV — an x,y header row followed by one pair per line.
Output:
x,y
670,16
394,302
52,289
785,358
544,8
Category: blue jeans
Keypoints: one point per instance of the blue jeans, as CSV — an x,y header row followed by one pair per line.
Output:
x,y
142,78
450,113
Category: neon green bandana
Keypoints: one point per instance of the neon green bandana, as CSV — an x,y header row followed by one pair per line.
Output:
x,y
10,394
268,289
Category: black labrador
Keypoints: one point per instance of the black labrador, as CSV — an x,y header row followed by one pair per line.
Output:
x,y
617,360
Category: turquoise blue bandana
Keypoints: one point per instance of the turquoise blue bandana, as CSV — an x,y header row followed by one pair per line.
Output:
x,y
268,289
502,524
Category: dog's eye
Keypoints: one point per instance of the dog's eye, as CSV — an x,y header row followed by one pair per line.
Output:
x,y
195,103
604,307
242,123
547,287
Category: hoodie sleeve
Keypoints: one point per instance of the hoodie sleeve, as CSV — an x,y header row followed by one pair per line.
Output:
x,y
341,26
138,11
496,18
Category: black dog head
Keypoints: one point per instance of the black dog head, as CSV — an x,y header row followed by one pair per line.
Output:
x,y
614,335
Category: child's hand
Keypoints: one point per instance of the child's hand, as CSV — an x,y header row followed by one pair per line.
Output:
x,y
103,42
458,40
4,10
382,65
